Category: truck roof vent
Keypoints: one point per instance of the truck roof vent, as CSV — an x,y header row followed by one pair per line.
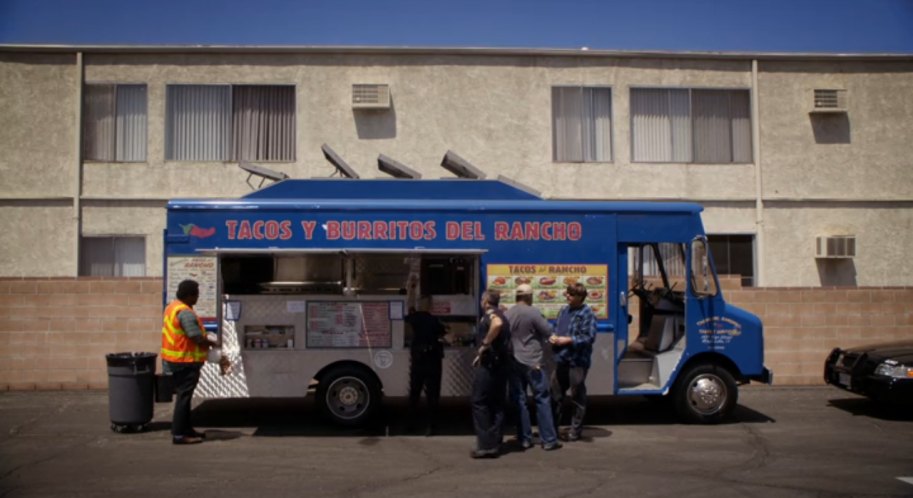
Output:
x,y
342,167
370,96
396,169
461,167
262,172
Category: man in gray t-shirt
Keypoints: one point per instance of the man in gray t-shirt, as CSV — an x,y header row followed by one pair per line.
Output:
x,y
529,331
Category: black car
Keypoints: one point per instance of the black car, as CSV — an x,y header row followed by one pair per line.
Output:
x,y
883,372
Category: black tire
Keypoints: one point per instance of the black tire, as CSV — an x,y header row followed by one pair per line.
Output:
x,y
348,396
705,394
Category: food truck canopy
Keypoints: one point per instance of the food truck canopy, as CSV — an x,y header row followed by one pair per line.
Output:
x,y
428,195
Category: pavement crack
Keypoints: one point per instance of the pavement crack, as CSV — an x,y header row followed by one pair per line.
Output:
x,y
761,454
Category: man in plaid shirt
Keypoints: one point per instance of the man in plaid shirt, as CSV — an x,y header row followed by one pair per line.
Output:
x,y
572,345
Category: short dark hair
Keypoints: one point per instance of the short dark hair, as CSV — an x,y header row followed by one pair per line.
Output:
x,y
493,296
577,289
187,288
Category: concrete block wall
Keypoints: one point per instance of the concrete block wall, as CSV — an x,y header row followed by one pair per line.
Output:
x,y
55,332
802,325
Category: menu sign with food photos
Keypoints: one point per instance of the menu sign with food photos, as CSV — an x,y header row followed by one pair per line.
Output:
x,y
549,282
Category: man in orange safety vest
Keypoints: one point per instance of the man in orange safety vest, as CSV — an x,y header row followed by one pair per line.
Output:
x,y
184,349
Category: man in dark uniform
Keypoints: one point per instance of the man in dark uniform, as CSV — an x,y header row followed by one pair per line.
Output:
x,y
427,351
489,382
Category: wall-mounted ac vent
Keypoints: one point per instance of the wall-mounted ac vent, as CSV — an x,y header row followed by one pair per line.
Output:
x,y
829,100
366,96
835,246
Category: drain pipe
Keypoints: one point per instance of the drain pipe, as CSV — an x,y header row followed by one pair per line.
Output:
x,y
77,182
756,154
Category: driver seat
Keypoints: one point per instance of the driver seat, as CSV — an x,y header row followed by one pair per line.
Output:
x,y
659,337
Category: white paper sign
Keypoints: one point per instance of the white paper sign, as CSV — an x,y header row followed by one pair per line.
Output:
x,y
202,269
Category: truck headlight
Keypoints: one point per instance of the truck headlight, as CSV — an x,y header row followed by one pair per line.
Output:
x,y
891,368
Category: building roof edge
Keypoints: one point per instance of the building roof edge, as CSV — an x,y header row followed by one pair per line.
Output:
x,y
476,51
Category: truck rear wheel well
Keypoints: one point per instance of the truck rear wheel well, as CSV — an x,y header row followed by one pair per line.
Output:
x,y
719,360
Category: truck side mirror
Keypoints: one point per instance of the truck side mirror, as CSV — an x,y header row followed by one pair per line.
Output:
x,y
703,282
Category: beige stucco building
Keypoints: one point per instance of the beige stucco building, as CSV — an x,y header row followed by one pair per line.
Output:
x,y
738,133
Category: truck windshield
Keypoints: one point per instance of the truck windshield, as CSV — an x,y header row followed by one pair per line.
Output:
x,y
659,265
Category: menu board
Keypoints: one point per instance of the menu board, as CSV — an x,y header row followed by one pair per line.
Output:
x,y
202,269
549,283
348,324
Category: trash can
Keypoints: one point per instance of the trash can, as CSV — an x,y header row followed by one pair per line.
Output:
x,y
131,378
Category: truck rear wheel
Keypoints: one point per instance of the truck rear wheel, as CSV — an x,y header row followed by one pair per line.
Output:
x,y
705,394
348,396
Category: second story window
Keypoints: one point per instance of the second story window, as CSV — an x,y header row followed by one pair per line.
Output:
x,y
581,124
690,126
114,123
230,123
118,256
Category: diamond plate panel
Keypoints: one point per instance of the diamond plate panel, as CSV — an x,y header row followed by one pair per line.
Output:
x,y
232,385
457,375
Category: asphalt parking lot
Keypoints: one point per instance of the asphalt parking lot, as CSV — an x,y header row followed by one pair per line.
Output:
x,y
815,441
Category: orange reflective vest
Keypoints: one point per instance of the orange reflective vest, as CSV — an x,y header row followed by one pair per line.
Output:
x,y
176,346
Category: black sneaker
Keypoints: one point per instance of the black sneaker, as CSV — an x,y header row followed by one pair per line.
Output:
x,y
483,454
552,447
186,440
526,444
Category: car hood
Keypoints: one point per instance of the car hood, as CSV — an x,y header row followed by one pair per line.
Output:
x,y
901,351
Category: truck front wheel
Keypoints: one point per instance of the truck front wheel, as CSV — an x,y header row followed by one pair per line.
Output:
x,y
705,394
348,396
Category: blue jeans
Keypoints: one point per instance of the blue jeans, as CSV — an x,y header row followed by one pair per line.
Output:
x,y
521,377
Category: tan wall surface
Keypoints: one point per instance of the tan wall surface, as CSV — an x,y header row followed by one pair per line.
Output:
x,y
54,333
850,173
883,233
38,125
865,153
494,111
38,238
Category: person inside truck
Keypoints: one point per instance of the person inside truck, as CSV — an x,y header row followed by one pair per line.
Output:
x,y
426,353
572,345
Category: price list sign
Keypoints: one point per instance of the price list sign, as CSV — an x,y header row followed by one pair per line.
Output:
x,y
345,324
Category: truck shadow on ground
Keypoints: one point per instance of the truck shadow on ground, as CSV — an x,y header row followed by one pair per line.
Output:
x,y
865,407
300,417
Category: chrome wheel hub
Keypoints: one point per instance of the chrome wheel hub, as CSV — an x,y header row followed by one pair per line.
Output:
x,y
707,394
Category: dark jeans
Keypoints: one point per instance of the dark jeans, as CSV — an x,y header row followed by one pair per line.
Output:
x,y
522,376
489,386
186,376
425,373
573,378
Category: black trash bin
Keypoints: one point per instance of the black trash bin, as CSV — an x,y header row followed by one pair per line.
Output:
x,y
131,379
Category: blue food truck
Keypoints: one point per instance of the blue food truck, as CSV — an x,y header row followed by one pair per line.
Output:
x,y
309,282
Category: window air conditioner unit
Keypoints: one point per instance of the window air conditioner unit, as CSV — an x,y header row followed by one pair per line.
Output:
x,y
366,96
836,247
825,101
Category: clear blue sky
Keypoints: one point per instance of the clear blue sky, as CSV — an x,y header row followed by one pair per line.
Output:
x,y
700,25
